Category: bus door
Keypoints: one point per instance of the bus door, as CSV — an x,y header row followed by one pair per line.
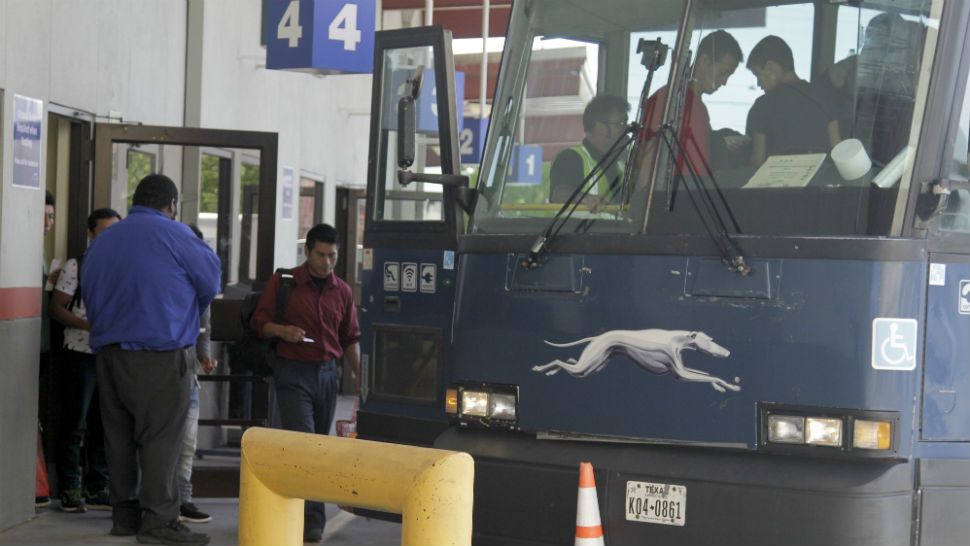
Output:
x,y
413,220
943,211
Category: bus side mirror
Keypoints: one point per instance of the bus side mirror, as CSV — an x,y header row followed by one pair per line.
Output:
x,y
407,121
407,128
406,124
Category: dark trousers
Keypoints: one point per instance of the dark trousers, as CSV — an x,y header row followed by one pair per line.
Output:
x,y
306,394
144,403
80,425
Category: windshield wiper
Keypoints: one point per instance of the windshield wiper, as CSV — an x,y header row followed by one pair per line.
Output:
x,y
653,56
729,250
541,244
718,233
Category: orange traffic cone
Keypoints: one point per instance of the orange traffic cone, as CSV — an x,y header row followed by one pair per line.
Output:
x,y
589,532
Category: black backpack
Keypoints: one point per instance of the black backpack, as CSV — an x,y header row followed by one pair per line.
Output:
x,y
256,354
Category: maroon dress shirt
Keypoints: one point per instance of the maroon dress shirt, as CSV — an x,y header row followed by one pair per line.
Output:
x,y
327,315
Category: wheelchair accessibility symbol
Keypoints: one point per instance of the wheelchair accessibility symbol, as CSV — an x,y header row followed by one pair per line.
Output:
x,y
894,344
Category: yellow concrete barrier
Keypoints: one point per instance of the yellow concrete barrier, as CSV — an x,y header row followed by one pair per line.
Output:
x,y
431,488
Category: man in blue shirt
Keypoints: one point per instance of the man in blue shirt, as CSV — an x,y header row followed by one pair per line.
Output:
x,y
145,282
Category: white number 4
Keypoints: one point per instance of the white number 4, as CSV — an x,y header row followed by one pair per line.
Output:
x,y
289,27
343,28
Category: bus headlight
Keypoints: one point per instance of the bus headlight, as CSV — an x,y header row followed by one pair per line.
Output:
x,y
868,434
487,404
822,431
474,403
501,406
786,429
828,432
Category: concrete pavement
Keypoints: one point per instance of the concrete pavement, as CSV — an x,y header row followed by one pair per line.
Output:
x,y
52,527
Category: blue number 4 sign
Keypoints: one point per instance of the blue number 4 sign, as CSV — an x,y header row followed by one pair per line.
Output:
x,y
331,36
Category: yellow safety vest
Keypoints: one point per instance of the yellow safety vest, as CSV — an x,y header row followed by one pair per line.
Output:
x,y
602,186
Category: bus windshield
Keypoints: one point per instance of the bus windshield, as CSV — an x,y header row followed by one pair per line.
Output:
x,y
773,118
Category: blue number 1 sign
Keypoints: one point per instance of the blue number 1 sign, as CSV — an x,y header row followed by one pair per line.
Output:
x,y
333,36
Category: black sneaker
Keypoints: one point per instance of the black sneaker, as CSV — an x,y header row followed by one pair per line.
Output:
x,y
126,518
122,531
173,534
314,535
98,501
189,512
71,501
42,502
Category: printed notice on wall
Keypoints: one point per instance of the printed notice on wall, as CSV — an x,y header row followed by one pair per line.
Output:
x,y
28,115
286,211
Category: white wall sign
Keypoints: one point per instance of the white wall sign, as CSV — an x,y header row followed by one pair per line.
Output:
x,y
28,119
286,212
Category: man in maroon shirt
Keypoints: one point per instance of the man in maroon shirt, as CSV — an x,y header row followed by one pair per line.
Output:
x,y
319,326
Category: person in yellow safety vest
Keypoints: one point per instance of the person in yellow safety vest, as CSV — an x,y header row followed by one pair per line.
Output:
x,y
604,120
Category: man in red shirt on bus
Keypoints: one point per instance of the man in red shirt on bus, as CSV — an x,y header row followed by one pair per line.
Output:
x,y
319,326
718,56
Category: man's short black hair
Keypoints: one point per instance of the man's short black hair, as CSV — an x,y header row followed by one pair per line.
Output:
x,y
155,191
321,233
101,214
48,198
718,44
772,48
600,108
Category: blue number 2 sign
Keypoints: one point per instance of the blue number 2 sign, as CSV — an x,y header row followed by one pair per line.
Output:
x,y
334,36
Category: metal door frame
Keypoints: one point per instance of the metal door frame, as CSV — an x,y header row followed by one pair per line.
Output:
x,y
108,134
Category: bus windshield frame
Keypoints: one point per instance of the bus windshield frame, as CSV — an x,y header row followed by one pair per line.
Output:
x,y
811,194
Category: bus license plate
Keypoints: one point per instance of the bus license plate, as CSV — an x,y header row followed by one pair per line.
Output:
x,y
656,503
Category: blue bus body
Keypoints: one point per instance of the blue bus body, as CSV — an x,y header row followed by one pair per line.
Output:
x,y
630,341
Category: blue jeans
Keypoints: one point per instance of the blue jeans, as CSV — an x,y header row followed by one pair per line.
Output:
x,y
306,394
188,444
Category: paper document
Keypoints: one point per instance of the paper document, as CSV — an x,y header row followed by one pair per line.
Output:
x,y
786,171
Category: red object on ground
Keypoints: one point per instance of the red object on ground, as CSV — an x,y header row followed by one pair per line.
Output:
x,y
347,428
42,487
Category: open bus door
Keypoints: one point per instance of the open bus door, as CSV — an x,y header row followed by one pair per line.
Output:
x,y
411,233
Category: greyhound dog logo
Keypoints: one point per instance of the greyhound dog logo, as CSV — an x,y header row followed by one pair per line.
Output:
x,y
657,351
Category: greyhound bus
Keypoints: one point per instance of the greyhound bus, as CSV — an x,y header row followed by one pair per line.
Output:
x,y
771,352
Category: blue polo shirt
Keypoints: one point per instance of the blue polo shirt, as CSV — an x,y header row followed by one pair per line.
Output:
x,y
145,281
